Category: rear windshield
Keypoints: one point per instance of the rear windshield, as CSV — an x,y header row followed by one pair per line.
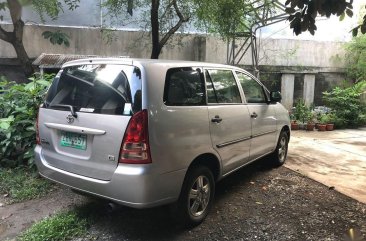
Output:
x,y
97,88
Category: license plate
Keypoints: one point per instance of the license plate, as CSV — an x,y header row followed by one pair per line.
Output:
x,y
74,140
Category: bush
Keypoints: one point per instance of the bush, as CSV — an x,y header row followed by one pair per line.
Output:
x,y
356,58
302,113
347,106
18,111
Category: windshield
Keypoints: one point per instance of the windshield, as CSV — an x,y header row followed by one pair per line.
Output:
x,y
97,88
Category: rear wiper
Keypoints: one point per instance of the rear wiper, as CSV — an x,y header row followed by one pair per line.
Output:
x,y
73,113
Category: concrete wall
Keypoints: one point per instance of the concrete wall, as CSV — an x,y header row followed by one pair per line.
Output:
x,y
273,52
300,69
90,41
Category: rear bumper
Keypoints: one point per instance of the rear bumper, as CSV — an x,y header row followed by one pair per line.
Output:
x,y
131,185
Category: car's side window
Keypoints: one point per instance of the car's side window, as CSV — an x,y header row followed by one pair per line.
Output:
x,y
184,86
221,87
253,91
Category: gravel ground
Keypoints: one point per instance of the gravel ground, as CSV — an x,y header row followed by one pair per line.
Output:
x,y
254,203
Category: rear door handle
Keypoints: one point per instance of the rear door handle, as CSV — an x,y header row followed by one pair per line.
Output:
x,y
254,115
217,119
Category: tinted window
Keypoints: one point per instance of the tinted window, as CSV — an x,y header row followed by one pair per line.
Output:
x,y
221,87
184,86
253,91
97,88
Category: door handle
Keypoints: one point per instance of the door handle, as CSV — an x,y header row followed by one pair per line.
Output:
x,y
254,115
216,119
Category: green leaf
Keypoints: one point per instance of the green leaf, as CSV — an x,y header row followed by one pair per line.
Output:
x,y
43,82
57,37
3,6
341,18
31,128
47,34
4,125
30,86
349,13
355,32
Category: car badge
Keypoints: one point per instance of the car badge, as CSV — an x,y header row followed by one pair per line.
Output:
x,y
70,119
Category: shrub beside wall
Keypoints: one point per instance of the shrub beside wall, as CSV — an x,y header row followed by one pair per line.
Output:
x,y
18,112
347,105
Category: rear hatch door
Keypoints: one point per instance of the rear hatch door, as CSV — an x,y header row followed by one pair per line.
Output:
x,y
85,115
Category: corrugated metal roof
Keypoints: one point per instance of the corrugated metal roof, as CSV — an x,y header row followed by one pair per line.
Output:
x,y
55,61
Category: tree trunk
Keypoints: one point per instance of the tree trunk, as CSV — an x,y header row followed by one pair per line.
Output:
x,y
23,58
15,38
158,44
156,48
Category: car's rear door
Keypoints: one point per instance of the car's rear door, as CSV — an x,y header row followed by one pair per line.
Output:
x,y
230,126
84,117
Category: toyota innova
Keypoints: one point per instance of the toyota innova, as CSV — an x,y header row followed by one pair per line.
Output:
x,y
144,133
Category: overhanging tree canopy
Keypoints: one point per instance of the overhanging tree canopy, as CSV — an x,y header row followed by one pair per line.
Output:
x,y
15,37
303,14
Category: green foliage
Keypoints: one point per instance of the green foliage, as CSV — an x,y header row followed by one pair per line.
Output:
x,y
51,8
60,227
224,17
331,118
346,105
303,13
18,111
119,11
22,184
356,58
302,112
227,17
57,37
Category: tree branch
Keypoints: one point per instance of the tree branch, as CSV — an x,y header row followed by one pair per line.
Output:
x,y
166,9
15,9
182,20
154,18
6,36
180,15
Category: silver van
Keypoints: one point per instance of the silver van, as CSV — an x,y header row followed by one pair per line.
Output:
x,y
144,133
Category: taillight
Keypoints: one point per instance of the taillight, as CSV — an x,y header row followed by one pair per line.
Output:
x,y
38,140
135,146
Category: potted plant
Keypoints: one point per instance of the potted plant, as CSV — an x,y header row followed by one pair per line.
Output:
x,y
301,113
330,123
294,124
310,122
322,126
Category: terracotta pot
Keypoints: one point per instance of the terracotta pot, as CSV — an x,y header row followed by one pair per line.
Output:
x,y
322,127
310,127
294,126
302,126
330,127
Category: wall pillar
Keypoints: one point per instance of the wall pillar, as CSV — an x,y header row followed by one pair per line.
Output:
x,y
287,90
199,48
309,86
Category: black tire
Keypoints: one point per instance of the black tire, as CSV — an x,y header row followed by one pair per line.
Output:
x,y
278,157
192,210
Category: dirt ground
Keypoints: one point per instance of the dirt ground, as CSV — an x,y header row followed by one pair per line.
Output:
x,y
255,203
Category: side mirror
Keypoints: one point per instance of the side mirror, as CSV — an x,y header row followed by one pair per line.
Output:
x,y
275,96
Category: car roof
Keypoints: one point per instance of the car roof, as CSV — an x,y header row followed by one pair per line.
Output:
x,y
146,62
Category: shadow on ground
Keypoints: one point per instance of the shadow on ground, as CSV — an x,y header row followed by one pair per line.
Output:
x,y
125,223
